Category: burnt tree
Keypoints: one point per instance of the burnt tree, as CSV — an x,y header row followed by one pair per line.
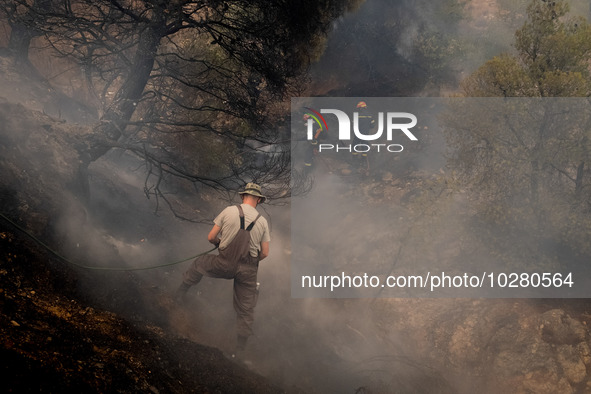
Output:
x,y
196,88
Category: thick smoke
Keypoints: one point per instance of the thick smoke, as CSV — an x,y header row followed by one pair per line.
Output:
x,y
317,345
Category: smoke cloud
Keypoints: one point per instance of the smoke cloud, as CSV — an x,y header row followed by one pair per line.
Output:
x,y
332,345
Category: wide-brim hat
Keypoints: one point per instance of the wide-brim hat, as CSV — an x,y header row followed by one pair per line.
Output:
x,y
254,190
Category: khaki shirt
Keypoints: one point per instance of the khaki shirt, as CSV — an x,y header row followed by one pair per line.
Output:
x,y
229,222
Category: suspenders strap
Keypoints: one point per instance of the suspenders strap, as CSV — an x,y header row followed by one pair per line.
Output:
x,y
251,225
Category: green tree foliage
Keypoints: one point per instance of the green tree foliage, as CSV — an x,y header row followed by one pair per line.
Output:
x,y
526,162
551,60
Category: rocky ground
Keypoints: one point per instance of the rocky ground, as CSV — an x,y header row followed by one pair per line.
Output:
x,y
56,335
126,334
52,341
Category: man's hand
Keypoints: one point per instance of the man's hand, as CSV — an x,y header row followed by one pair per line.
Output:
x,y
264,252
212,237
216,242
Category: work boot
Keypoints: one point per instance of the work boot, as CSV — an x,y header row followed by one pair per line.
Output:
x,y
180,295
239,354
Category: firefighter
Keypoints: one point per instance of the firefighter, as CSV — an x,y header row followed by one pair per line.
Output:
x,y
242,237
365,123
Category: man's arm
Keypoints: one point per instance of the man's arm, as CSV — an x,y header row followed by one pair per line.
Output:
x,y
213,235
264,250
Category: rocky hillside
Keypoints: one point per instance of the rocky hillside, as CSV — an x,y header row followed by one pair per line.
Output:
x,y
55,342
66,329
55,337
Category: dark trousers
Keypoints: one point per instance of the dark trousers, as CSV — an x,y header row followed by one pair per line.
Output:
x,y
245,285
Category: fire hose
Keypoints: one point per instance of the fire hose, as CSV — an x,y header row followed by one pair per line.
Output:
x,y
96,268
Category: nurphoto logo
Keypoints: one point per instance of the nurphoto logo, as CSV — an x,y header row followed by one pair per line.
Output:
x,y
396,123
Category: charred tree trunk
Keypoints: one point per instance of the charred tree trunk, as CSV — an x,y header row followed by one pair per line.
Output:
x,y
117,116
121,110
20,40
25,27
